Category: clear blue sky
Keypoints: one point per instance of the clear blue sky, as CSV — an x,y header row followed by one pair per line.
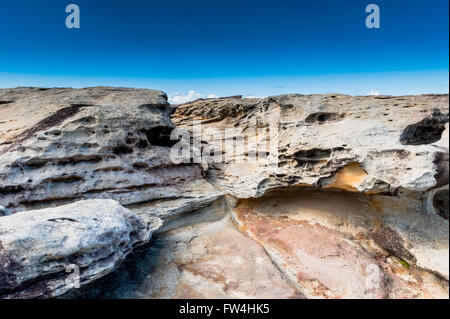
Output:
x,y
250,47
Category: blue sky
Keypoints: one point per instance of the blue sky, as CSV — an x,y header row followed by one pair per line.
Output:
x,y
249,47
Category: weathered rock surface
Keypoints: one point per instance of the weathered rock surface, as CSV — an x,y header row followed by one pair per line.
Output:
x,y
201,255
366,144
344,245
61,145
39,249
327,196
393,151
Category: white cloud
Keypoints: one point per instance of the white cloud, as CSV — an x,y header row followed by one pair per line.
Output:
x,y
180,98
374,93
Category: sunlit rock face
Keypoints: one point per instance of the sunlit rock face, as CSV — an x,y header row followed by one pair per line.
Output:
x,y
293,196
371,144
336,244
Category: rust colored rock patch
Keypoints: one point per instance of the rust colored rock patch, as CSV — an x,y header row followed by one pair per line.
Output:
x,y
322,260
348,178
336,244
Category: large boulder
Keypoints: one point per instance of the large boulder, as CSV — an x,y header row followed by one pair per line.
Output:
x,y
45,253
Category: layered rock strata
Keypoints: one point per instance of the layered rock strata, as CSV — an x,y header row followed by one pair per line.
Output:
x,y
62,145
294,196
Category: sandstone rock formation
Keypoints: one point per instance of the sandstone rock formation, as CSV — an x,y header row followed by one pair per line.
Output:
x,y
61,145
39,248
201,255
376,144
294,196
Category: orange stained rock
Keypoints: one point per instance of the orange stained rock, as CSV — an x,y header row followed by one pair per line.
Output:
x,y
348,177
314,253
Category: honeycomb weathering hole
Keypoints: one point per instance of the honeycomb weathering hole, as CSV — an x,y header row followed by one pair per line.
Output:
x,y
322,117
440,203
427,131
160,136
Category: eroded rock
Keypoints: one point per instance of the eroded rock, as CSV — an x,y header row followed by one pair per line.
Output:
x,y
345,245
317,136
331,196
40,249
62,145
440,203
200,255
